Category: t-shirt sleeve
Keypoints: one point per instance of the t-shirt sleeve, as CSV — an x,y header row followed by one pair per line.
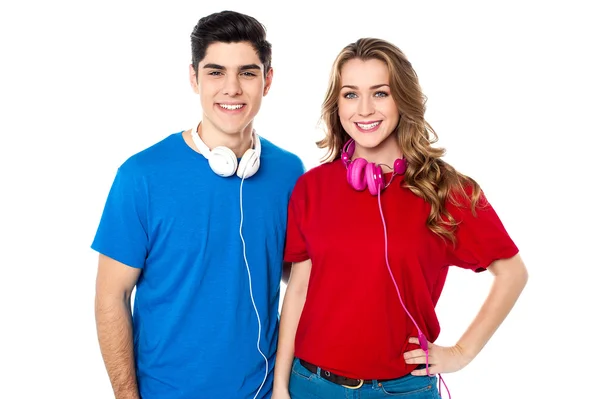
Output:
x,y
481,238
122,233
295,244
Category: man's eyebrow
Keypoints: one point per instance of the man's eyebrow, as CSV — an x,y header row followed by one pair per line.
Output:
x,y
249,66
222,68
213,66
370,88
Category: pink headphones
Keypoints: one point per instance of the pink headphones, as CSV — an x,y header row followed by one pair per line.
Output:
x,y
362,174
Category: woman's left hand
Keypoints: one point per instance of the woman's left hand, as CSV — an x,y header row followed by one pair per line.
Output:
x,y
442,359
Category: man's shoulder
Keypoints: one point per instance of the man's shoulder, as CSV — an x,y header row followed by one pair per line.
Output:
x,y
281,155
151,155
272,149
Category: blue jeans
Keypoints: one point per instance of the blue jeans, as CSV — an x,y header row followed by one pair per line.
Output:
x,y
307,385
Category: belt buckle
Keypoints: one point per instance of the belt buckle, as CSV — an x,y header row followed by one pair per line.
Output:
x,y
356,387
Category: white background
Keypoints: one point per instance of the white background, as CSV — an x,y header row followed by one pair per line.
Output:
x,y
513,93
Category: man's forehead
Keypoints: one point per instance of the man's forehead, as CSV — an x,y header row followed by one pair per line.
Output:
x,y
231,55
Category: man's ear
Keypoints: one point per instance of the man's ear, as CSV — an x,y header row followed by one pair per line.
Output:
x,y
194,80
268,81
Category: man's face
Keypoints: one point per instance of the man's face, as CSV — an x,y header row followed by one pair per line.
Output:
x,y
231,83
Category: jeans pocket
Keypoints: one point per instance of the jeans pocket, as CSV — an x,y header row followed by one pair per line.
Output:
x,y
301,371
411,385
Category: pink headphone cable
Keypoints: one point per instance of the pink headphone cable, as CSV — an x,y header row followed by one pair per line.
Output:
x,y
422,338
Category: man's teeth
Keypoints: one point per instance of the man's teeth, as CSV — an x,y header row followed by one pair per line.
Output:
x,y
231,107
369,126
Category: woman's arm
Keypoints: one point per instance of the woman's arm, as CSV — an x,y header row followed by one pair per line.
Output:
x,y
293,303
510,278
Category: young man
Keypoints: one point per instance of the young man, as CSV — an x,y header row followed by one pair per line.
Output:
x,y
197,224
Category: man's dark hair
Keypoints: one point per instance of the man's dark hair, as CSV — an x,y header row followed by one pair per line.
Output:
x,y
230,27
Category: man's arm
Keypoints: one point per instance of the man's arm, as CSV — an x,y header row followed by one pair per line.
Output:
x,y
114,284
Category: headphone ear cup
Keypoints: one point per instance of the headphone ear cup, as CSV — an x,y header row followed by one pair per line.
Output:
x,y
249,164
374,177
223,161
356,174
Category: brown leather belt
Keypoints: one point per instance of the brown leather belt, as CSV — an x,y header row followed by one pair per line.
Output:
x,y
346,382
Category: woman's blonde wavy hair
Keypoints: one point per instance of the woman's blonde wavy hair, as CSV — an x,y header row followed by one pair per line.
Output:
x,y
427,176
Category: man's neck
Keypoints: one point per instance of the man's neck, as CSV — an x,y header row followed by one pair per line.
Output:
x,y
213,137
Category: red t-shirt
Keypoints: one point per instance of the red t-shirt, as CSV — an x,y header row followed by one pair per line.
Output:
x,y
353,323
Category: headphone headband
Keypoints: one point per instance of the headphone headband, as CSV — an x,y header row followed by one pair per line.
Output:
x,y
223,160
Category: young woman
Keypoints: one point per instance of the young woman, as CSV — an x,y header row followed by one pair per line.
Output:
x,y
372,233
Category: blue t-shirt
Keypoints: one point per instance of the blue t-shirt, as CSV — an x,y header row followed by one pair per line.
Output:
x,y
194,324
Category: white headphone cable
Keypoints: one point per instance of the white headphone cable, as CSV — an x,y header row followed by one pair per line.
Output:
x,y
250,285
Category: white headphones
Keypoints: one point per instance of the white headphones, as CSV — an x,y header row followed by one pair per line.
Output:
x,y
223,160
